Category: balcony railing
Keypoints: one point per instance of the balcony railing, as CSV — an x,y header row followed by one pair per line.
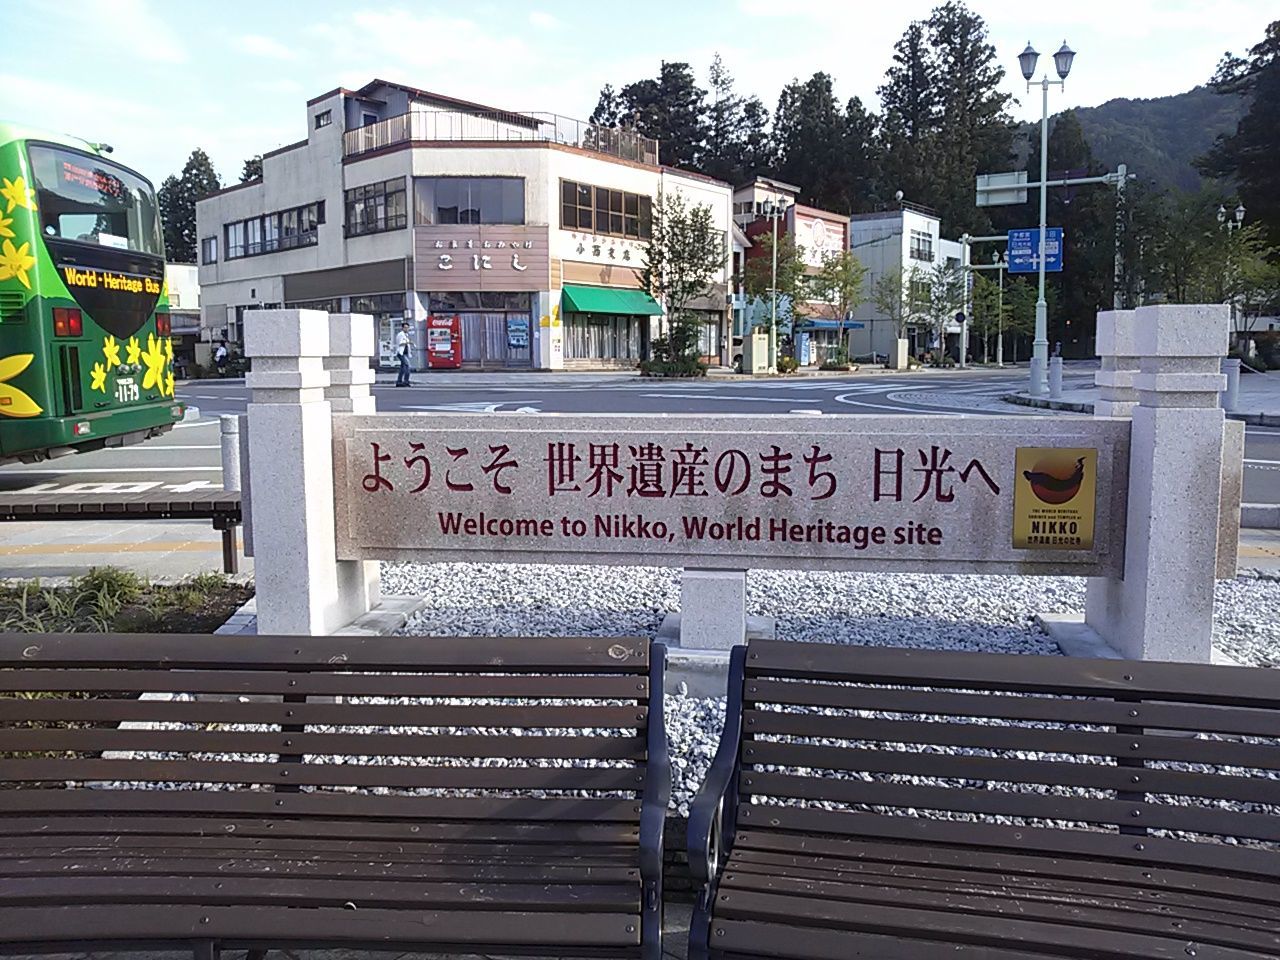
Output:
x,y
451,125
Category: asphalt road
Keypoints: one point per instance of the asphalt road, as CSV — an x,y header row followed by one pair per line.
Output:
x,y
188,457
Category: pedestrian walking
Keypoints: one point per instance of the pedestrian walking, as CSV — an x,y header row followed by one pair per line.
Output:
x,y
220,358
404,345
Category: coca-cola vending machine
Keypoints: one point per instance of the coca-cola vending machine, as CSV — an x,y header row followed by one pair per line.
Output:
x,y
444,342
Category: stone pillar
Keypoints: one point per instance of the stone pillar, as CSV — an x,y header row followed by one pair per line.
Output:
x,y
1231,367
1037,385
230,439
713,609
352,342
1118,351
1163,608
1055,378
301,587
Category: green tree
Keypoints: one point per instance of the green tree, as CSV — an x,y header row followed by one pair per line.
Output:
x,y
918,294
758,272
1020,297
863,160
252,169
671,109
910,107
808,134
178,197
991,312
946,299
1248,156
889,294
736,125
840,283
681,260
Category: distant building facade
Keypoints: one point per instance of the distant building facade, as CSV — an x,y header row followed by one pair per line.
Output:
x,y
530,229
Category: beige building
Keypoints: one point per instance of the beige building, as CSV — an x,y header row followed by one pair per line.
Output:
x,y
530,229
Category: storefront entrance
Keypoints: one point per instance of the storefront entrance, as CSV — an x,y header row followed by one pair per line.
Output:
x,y
496,327
606,326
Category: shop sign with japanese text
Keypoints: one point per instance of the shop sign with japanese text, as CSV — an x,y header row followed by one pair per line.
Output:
x,y
829,492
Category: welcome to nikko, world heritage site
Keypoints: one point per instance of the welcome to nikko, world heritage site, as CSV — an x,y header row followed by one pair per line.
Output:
x,y
809,520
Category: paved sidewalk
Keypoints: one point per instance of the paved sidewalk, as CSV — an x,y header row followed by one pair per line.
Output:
x,y
158,550
1258,402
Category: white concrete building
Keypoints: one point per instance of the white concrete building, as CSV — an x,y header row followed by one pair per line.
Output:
x,y
182,281
907,240
529,229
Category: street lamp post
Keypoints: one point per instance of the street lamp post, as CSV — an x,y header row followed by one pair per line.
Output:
x,y
1001,263
1062,64
1230,224
774,210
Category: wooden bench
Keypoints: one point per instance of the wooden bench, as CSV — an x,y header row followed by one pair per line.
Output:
x,y
322,794
220,506
898,804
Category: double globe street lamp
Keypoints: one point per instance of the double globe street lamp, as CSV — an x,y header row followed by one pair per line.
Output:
x,y
1062,64
774,210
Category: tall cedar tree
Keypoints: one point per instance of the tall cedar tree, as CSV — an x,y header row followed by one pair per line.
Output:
x,y
808,132
945,119
736,144
178,197
863,159
672,109
1249,155
1087,217
252,169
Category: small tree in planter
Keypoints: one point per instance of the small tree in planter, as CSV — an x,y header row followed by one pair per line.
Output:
x,y
683,256
839,284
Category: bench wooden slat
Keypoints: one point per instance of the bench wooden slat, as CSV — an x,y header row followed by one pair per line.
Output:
x,y
1084,773
337,926
521,871
1026,865
364,894
244,802
751,869
48,710
1003,923
1012,737
1191,683
325,775
1104,711
409,654
318,683
739,940
1035,806
322,744
121,827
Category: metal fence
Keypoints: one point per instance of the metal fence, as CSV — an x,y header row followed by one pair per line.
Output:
x,y
453,125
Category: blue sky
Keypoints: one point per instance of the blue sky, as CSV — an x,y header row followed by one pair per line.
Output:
x,y
158,77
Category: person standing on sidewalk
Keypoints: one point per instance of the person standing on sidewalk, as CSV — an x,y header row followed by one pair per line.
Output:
x,y
404,344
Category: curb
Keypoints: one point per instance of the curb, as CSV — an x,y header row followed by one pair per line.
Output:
x,y
1022,400
1260,516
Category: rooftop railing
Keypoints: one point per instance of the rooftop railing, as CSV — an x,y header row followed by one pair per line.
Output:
x,y
452,125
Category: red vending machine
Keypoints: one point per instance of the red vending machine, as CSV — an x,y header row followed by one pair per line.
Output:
x,y
444,342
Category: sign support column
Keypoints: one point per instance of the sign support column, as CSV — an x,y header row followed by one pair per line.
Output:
x,y
1162,609
302,588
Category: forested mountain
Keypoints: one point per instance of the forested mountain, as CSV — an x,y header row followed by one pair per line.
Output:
x,y
1160,138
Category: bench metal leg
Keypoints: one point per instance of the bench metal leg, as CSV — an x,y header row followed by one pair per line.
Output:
x,y
256,955
205,950
230,556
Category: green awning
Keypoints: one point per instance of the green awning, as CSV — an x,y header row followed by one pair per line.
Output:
x,y
578,299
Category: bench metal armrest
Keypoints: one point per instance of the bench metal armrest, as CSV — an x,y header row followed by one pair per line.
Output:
x,y
713,815
657,784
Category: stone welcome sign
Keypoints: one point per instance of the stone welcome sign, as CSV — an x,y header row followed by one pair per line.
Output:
x,y
734,492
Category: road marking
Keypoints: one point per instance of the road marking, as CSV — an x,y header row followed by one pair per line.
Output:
x,y
455,407
712,396
1270,463
844,398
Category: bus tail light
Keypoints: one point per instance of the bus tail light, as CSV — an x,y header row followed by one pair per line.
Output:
x,y
163,327
82,429
67,322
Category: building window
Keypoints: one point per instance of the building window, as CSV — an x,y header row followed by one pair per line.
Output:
x,y
447,200
324,118
284,230
209,250
600,210
921,246
376,207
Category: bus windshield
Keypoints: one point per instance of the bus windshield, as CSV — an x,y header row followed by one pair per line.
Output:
x,y
82,197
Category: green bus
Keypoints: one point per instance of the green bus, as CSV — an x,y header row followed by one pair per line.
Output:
x,y
86,359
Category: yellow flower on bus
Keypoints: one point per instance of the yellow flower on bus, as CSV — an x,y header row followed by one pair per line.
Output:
x,y
15,262
13,402
133,352
168,384
16,193
168,349
6,226
153,359
98,378
111,352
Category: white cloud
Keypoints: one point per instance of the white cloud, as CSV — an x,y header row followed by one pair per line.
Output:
x,y
260,46
543,20
126,25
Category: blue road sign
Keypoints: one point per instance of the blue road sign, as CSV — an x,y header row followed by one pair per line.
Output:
x,y
1024,249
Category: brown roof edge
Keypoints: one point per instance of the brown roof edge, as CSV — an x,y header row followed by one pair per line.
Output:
x,y
801,208
511,144
256,182
285,149
325,96
464,104
681,172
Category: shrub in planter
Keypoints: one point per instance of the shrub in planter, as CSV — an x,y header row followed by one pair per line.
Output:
x,y
788,364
